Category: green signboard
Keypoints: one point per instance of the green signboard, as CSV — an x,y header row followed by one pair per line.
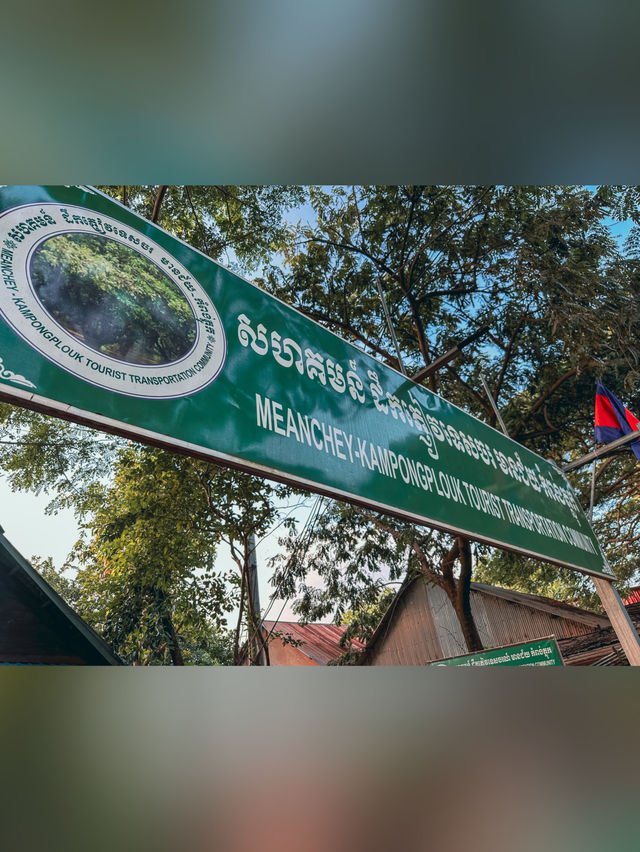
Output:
x,y
542,652
106,319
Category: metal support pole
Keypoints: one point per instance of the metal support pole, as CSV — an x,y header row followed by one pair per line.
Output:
x,y
254,620
619,618
603,451
593,491
390,326
493,405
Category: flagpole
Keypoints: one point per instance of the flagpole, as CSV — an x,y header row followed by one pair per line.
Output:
x,y
603,451
494,404
593,490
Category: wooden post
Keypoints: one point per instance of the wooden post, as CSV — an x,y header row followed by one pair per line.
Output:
x,y
620,621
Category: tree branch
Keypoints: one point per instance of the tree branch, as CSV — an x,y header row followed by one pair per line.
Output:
x,y
355,204
350,247
543,398
414,200
236,638
457,291
507,356
448,561
462,220
480,399
156,206
321,317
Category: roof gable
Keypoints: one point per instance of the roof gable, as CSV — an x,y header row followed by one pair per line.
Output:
x,y
37,625
564,610
549,606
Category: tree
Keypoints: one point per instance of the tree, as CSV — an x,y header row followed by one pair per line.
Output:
x,y
537,265
243,226
151,521
201,641
65,586
360,624
149,578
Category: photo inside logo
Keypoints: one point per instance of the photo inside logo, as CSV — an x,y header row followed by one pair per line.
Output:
x,y
113,299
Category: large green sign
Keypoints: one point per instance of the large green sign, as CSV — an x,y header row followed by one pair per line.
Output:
x,y
542,652
109,320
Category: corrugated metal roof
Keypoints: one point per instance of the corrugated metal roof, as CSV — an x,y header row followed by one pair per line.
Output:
x,y
575,613
321,642
634,597
536,602
600,648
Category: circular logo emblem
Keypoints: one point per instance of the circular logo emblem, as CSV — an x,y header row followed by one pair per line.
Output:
x,y
107,304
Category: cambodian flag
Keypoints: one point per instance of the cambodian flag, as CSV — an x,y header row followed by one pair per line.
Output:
x,y
613,420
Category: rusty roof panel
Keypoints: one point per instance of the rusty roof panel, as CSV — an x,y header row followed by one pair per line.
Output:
x,y
634,596
321,642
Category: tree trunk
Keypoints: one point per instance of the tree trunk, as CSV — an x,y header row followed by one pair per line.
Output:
x,y
174,645
463,598
158,201
458,591
237,657
170,631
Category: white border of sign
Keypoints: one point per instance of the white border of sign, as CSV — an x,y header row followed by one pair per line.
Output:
x,y
25,313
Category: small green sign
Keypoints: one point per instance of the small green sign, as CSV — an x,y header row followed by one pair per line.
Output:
x,y
542,652
107,319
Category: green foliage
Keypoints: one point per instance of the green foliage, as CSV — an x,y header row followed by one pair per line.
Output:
x,y
146,575
64,585
354,552
361,625
241,225
142,579
39,453
539,265
145,641
145,569
148,579
499,568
